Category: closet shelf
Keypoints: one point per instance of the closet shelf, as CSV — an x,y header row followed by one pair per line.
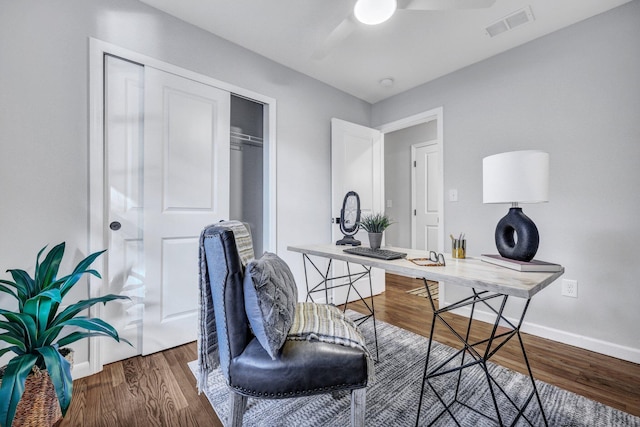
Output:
x,y
239,139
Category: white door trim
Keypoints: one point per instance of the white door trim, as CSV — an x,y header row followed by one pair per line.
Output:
x,y
436,114
98,216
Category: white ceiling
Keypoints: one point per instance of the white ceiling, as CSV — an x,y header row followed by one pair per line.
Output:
x,y
413,47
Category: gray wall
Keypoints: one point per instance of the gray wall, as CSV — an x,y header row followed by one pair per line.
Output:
x,y
575,94
44,94
397,179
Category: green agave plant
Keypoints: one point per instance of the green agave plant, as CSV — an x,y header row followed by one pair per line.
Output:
x,y
375,223
33,331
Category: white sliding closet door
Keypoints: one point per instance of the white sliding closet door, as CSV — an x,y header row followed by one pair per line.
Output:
x,y
123,138
186,175
167,177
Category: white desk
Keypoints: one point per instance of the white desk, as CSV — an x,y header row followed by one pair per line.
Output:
x,y
469,272
490,286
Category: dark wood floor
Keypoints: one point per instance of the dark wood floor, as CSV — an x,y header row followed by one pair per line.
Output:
x,y
159,390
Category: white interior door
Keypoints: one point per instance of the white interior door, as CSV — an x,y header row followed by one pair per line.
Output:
x,y
356,165
186,176
425,196
123,124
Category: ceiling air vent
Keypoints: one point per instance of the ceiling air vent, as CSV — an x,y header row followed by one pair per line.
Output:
x,y
511,21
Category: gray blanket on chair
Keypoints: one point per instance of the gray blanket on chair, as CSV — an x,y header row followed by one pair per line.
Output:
x,y
208,358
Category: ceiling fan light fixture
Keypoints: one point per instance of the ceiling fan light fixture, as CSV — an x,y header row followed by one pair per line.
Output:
x,y
374,12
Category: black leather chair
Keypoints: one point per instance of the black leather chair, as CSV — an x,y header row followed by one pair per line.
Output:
x,y
303,368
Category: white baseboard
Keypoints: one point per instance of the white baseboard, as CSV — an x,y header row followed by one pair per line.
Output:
x,y
592,344
82,369
580,341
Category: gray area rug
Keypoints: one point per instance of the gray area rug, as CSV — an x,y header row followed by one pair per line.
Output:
x,y
392,399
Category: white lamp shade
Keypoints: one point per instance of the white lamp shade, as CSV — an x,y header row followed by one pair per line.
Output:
x,y
373,12
516,177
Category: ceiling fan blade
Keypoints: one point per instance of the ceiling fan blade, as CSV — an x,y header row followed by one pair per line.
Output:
x,y
337,36
444,4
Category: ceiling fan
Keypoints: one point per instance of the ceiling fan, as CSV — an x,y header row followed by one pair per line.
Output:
x,y
374,12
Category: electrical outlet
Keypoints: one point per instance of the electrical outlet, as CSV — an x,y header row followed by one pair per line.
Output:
x,y
570,288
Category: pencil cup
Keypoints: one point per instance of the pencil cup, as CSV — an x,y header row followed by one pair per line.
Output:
x,y
459,248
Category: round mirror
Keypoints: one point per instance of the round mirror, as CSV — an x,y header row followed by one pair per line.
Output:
x,y
350,219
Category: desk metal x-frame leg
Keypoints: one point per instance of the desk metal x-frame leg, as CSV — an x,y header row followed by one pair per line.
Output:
x,y
325,285
478,357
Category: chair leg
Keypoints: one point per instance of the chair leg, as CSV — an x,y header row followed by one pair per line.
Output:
x,y
237,405
358,406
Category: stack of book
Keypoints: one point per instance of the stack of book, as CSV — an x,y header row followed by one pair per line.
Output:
x,y
533,265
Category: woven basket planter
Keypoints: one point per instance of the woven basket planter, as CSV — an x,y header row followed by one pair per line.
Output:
x,y
39,405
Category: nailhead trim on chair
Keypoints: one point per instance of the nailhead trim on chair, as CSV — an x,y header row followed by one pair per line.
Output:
x,y
320,390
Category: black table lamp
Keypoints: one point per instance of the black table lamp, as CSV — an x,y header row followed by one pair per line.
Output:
x,y
516,177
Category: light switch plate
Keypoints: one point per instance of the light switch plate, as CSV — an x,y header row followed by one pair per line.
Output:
x,y
453,195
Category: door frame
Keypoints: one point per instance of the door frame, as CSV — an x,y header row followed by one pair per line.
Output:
x,y
97,206
436,114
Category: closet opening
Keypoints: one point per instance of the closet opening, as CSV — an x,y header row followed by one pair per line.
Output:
x,y
246,195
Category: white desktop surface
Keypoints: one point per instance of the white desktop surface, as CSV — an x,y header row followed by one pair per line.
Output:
x,y
469,272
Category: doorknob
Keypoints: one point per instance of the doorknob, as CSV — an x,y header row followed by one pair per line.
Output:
x,y
115,226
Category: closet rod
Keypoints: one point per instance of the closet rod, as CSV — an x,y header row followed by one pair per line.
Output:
x,y
238,138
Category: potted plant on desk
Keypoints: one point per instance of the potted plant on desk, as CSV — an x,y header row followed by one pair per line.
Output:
x,y
375,225
36,385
